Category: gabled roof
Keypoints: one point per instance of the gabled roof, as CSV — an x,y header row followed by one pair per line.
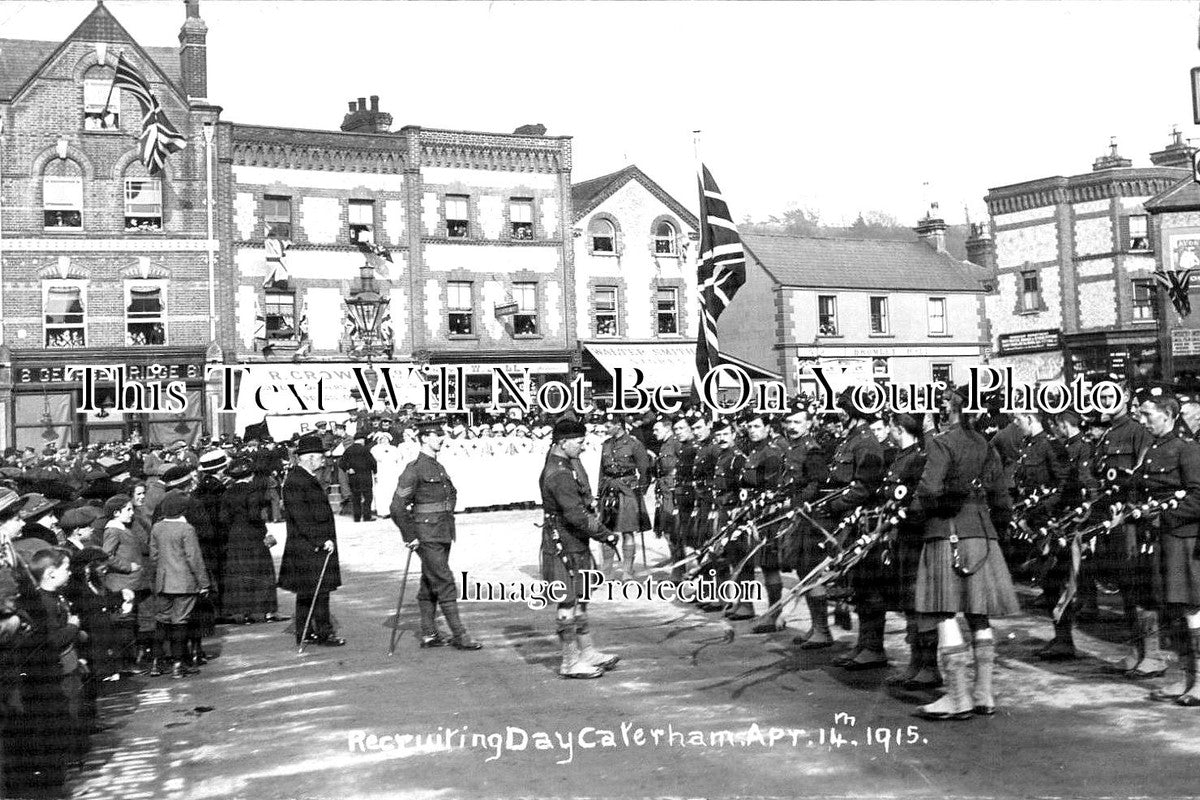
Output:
x,y
1183,196
587,195
809,261
22,59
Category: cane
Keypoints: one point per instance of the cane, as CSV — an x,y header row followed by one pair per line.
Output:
x,y
400,602
645,561
312,606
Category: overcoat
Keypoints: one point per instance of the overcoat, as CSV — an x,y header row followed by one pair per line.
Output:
x,y
310,524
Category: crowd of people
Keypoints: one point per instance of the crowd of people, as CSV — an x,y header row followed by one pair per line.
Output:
x,y
120,559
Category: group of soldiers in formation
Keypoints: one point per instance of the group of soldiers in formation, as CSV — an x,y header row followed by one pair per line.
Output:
x,y
929,516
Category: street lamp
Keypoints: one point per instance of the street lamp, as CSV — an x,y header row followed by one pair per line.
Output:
x,y
366,307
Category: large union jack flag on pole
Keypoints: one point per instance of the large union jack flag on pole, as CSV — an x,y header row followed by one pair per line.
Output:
x,y
1178,282
159,138
721,271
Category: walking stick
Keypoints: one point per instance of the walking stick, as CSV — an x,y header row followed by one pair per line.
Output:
x,y
400,602
312,606
645,561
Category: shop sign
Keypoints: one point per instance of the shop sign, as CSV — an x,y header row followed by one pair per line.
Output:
x,y
1030,342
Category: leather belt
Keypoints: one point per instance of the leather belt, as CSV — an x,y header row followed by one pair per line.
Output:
x,y
431,508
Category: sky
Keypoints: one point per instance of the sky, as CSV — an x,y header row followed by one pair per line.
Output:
x,y
834,107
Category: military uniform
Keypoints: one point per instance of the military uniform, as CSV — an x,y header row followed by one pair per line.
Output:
x,y
624,479
1041,463
1116,454
569,523
805,468
704,470
684,499
423,510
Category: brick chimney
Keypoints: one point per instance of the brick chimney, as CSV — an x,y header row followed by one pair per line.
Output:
x,y
932,229
193,52
366,119
1176,154
1111,161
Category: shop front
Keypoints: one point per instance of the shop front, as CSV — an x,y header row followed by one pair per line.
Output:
x,y
481,370
44,405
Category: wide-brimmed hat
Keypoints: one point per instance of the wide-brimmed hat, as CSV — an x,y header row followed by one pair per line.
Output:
x,y
177,476
240,468
214,461
35,504
309,444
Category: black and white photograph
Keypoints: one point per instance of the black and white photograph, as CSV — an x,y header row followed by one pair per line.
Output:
x,y
571,399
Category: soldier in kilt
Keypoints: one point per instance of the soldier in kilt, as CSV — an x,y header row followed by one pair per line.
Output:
x,y
963,497
726,499
1118,450
908,464
1169,553
703,469
684,493
762,473
569,523
665,471
624,480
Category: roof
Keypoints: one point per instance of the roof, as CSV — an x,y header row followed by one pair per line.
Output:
x,y
21,59
587,195
1183,196
809,261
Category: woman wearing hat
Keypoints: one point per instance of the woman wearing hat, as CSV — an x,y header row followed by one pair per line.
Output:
x,y
248,581
128,550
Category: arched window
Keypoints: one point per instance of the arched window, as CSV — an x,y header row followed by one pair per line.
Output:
x,y
101,100
666,241
143,199
603,235
62,195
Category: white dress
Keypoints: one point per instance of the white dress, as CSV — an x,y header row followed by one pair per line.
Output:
x,y
387,475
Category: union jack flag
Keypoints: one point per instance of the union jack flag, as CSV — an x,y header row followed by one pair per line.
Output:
x,y
376,255
159,138
1177,282
721,271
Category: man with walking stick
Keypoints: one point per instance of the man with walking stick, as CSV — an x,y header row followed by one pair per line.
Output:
x,y
310,562
423,510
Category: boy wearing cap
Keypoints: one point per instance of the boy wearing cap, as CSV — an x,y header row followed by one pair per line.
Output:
x,y
423,510
179,579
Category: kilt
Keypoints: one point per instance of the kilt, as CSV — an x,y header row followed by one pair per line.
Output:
x,y
804,546
1175,570
906,558
553,569
941,590
767,557
624,511
871,580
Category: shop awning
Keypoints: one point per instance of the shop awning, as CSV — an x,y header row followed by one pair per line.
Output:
x,y
665,363
662,364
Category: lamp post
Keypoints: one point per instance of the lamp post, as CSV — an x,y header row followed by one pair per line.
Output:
x,y
366,307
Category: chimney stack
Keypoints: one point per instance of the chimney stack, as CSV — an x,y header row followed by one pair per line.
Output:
x,y
366,119
981,247
1111,161
1177,154
193,52
932,229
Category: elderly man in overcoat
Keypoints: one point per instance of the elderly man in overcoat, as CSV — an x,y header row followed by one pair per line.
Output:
x,y
311,539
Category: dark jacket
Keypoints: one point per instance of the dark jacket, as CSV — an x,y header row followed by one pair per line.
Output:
x,y
856,470
565,504
423,505
309,525
962,484
359,465
1172,463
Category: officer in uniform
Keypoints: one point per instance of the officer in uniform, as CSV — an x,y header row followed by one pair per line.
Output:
x,y
665,470
762,473
569,523
423,510
855,475
684,495
805,466
1118,451
624,480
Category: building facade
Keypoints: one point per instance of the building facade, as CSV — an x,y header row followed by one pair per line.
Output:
x,y
1074,260
891,312
1175,229
475,228
635,251
100,262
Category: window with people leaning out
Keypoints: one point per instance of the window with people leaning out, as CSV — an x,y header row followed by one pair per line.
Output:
x,y
520,218
280,311
63,305
145,314
604,310
879,316
665,239
62,195
277,214
525,320
360,215
668,310
458,223
827,322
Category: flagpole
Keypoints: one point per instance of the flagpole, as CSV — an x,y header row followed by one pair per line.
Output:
x,y
696,376
113,83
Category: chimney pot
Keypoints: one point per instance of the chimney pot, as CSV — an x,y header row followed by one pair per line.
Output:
x,y
362,104
353,107
374,102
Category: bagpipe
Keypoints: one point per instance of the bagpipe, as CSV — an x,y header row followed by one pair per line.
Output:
x,y
1018,525
1084,538
874,525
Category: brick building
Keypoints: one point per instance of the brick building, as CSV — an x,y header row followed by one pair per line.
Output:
x,y
889,311
100,263
1175,230
1074,258
474,223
